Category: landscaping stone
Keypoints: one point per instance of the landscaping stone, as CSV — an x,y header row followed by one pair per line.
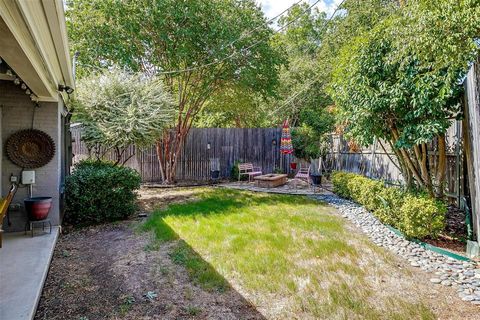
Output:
x,y
446,283
468,298
447,271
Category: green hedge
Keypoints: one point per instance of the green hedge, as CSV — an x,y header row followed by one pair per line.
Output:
x,y
415,214
100,192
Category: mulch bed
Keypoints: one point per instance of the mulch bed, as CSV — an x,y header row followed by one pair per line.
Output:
x,y
455,234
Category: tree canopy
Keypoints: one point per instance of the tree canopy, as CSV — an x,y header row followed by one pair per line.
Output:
x,y
391,70
400,81
198,47
299,34
164,35
119,109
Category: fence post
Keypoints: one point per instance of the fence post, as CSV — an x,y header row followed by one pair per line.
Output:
x,y
458,138
471,133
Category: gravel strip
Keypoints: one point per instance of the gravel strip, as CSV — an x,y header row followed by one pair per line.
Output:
x,y
446,271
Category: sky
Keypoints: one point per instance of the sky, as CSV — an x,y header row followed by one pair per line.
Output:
x,y
274,7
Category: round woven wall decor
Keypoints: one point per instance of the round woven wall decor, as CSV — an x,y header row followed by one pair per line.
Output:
x,y
30,148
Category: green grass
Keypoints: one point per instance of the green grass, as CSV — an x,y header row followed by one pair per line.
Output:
x,y
200,271
193,311
277,248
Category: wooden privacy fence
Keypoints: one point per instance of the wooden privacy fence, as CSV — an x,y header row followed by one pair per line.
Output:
x,y
379,163
261,146
222,147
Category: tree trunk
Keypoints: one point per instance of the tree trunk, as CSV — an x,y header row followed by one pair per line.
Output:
x,y
441,168
169,150
416,161
406,173
158,148
190,101
408,161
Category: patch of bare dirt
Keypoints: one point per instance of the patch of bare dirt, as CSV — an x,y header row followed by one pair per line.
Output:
x,y
393,277
105,272
150,199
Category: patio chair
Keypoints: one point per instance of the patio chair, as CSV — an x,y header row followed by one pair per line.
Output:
x,y
4,204
303,174
247,169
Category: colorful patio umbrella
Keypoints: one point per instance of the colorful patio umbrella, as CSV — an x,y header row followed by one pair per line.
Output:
x,y
286,146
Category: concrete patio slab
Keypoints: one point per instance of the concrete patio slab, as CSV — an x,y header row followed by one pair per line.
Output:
x,y
24,263
293,186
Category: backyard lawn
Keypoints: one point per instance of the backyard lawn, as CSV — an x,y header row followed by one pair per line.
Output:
x,y
210,253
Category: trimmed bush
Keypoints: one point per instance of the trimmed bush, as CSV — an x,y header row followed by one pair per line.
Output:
x,y
416,215
390,202
340,183
421,216
365,191
100,192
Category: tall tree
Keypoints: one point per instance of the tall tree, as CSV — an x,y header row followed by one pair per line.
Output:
x,y
353,19
301,81
119,109
388,85
235,107
212,43
303,99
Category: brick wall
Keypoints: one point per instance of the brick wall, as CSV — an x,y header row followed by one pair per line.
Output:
x,y
16,114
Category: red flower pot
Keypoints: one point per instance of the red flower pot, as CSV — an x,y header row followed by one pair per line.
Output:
x,y
293,165
38,207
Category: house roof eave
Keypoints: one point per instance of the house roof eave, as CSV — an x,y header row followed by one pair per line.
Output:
x,y
36,45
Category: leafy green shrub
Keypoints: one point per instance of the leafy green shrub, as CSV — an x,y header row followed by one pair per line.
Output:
x,y
278,170
390,199
311,139
415,214
368,193
340,183
100,192
422,216
354,185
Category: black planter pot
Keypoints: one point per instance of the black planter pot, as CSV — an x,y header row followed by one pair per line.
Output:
x,y
316,179
214,174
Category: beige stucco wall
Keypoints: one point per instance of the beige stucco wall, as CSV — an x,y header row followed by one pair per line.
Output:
x,y
16,114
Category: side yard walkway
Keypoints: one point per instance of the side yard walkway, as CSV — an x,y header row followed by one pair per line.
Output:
x,y
24,263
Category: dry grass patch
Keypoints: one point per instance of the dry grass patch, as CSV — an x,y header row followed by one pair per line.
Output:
x,y
287,254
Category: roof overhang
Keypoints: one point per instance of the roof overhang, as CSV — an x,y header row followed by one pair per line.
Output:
x,y
34,43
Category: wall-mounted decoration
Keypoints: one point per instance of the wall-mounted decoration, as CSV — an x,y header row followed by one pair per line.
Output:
x,y
30,149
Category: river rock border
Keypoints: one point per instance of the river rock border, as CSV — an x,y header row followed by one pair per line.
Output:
x,y
464,276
